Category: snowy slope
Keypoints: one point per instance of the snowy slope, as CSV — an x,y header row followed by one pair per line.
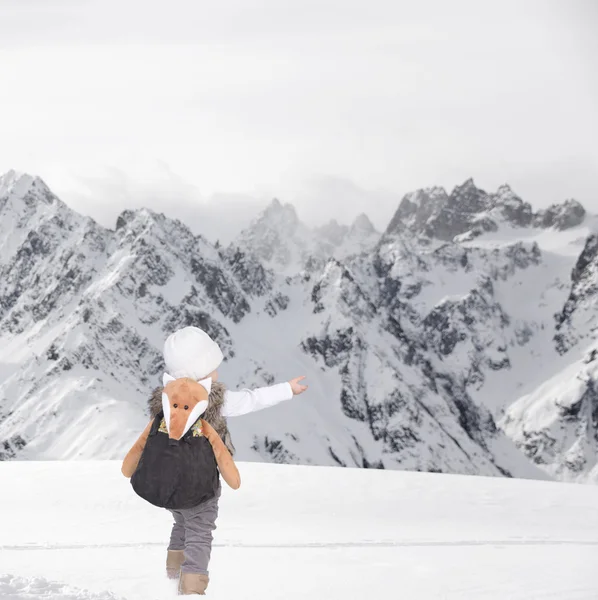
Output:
x,y
417,349
287,534
552,407
557,423
512,310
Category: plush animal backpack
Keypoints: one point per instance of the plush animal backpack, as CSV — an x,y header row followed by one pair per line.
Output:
x,y
176,462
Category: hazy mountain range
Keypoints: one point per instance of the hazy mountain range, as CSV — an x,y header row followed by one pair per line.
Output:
x,y
461,339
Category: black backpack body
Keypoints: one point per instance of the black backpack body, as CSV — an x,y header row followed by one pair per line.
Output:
x,y
176,474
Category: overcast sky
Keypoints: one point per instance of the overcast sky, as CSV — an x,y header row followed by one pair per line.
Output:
x,y
337,106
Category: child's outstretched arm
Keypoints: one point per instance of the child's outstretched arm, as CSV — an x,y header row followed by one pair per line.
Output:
x,y
132,458
246,400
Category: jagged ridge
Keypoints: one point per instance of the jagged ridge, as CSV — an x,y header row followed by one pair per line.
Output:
x,y
403,335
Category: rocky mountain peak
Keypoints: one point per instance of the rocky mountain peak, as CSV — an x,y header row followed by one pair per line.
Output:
x,y
139,224
511,207
416,208
140,218
467,186
468,199
125,218
505,190
280,240
279,215
8,181
505,196
277,237
362,224
561,216
444,217
25,187
470,211
15,182
333,232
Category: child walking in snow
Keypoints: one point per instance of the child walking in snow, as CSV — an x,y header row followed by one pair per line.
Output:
x,y
190,355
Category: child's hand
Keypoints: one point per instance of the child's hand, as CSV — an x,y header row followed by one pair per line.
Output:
x,y
297,387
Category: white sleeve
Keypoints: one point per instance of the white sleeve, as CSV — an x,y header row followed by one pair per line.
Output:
x,y
245,401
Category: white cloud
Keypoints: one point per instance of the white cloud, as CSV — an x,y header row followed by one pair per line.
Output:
x,y
104,194
313,102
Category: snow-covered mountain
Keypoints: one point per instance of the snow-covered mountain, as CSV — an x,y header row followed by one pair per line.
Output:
x,y
557,422
468,212
280,241
422,351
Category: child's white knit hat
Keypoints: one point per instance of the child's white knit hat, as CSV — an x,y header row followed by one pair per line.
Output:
x,y
191,352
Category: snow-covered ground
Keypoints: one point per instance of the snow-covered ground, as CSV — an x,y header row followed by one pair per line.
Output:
x,y
75,530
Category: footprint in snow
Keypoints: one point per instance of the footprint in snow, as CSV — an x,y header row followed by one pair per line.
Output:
x,y
28,588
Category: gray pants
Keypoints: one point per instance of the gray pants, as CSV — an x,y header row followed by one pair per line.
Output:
x,y
192,532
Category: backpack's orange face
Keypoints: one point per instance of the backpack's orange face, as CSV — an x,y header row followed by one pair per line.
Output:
x,y
184,397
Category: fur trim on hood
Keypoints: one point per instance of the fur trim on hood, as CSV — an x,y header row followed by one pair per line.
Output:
x,y
212,415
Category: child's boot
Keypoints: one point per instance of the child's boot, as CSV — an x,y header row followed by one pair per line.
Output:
x,y
174,560
193,583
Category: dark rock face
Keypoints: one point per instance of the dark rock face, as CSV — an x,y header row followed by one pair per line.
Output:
x,y
561,216
475,421
334,347
278,303
583,281
416,209
124,218
468,199
582,297
10,448
512,207
338,280
455,321
536,444
275,449
469,211
586,260
157,271
230,301
248,271
433,213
